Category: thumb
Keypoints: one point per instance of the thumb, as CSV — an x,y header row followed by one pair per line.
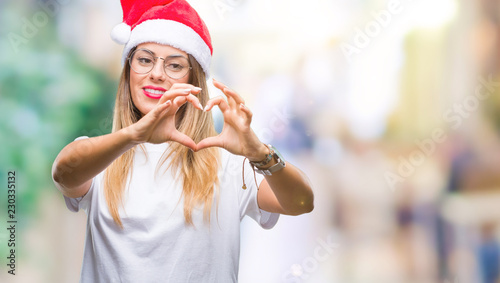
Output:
x,y
183,139
210,142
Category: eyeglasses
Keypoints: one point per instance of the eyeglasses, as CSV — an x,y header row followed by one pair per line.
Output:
x,y
142,61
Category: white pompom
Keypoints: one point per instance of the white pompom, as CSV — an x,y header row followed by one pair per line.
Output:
x,y
121,33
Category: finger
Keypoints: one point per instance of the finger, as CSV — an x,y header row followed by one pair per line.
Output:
x,y
210,142
171,94
218,100
246,110
193,88
154,116
195,101
218,84
179,101
229,92
231,102
183,139
160,109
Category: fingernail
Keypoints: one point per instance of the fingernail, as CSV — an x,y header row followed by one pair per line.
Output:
x,y
188,90
205,109
201,106
197,88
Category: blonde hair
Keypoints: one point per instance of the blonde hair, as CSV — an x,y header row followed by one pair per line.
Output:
x,y
197,170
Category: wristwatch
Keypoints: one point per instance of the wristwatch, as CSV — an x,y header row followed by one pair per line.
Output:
x,y
276,167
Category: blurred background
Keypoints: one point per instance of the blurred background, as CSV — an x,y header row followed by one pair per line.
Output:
x,y
392,108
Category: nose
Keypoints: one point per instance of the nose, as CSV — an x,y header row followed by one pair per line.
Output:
x,y
158,72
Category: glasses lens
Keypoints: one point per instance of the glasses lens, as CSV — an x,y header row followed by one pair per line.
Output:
x,y
176,66
142,61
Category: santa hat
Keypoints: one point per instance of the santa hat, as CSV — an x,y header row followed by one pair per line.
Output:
x,y
170,22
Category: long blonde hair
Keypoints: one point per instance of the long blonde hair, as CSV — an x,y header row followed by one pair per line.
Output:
x,y
197,170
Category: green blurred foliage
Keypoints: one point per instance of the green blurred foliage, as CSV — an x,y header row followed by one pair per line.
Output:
x,y
48,97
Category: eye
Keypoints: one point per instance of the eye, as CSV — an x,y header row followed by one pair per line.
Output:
x,y
175,67
145,60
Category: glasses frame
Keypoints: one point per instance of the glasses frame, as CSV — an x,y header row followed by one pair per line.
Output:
x,y
155,58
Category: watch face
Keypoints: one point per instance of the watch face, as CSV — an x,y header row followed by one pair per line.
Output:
x,y
277,153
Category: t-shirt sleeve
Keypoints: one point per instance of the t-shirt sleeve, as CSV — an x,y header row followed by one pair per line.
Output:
x,y
83,202
248,200
75,204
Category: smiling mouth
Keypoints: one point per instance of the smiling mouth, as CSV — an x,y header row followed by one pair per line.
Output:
x,y
153,93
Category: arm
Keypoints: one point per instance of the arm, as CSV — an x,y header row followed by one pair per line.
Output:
x,y
287,191
82,160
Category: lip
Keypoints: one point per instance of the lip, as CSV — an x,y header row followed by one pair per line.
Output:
x,y
154,87
153,95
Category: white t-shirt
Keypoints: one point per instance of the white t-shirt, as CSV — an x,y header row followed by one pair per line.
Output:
x,y
156,245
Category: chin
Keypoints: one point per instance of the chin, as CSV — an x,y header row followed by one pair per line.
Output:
x,y
143,105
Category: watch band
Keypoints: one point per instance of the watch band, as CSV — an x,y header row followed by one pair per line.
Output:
x,y
276,167
267,159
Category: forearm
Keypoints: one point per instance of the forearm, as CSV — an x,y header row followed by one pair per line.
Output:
x,y
82,160
292,190
290,186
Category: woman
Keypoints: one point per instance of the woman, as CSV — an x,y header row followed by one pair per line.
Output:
x,y
165,194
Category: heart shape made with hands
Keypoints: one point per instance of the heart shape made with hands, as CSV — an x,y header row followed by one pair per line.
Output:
x,y
236,136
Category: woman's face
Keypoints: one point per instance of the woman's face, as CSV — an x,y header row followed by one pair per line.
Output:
x,y
146,89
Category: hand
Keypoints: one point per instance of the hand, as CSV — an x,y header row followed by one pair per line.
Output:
x,y
158,125
236,137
